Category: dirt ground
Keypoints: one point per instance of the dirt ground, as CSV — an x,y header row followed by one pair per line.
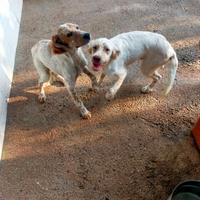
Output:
x,y
134,147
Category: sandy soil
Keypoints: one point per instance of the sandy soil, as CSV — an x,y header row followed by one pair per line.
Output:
x,y
135,147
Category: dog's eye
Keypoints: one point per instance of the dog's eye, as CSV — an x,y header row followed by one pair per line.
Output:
x,y
77,27
69,34
95,47
107,50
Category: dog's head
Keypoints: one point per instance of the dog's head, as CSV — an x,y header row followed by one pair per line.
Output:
x,y
69,36
102,52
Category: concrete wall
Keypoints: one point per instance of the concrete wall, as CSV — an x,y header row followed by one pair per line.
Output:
x,y
10,15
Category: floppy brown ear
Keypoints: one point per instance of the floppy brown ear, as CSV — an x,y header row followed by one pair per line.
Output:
x,y
54,38
90,50
57,48
115,54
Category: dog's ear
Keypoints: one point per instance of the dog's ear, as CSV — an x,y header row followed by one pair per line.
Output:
x,y
57,48
89,49
54,38
115,54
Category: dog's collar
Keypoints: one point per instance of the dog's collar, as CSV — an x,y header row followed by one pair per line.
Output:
x,y
59,49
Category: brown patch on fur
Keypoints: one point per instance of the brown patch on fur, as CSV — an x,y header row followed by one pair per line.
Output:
x,y
115,53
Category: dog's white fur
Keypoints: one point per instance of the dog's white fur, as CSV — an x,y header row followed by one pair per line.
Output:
x,y
115,54
65,65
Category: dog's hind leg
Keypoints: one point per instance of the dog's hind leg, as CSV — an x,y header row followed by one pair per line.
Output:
x,y
149,68
44,76
149,88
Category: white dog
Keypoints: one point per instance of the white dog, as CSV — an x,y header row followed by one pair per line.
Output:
x,y
112,56
61,58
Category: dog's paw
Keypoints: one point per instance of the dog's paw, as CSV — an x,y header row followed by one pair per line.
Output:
x,y
146,89
86,115
109,95
41,98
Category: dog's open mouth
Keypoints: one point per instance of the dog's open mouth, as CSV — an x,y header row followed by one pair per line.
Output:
x,y
96,63
96,66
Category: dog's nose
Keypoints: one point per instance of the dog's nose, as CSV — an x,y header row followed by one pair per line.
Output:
x,y
96,59
86,36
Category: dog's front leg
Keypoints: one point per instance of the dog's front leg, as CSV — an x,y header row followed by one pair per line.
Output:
x,y
101,79
113,90
85,114
92,77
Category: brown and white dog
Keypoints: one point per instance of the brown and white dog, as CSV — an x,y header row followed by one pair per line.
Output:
x,y
63,59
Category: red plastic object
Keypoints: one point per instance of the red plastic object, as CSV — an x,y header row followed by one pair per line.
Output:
x,y
196,133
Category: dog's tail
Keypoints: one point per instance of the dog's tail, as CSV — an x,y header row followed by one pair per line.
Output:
x,y
172,65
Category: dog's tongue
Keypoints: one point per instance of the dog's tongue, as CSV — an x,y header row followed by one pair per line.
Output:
x,y
96,66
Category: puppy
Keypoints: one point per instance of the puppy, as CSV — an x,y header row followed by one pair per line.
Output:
x,y
61,58
112,56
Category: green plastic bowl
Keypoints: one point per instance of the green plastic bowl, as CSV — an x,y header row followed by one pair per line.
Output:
x,y
188,190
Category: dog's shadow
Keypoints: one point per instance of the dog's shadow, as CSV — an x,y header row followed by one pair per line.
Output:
x,y
97,100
